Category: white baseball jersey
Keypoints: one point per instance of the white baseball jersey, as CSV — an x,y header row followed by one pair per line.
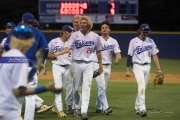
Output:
x,y
84,46
57,45
12,75
109,47
141,51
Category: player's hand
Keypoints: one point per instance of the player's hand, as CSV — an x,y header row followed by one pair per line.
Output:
x,y
100,69
116,61
43,69
52,56
127,72
51,87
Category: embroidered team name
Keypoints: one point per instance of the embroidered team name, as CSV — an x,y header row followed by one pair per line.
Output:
x,y
58,48
107,47
140,49
80,44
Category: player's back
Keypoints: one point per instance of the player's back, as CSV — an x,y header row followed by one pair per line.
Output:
x,y
40,42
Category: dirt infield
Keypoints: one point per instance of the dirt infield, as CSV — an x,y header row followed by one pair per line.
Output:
x,y
121,77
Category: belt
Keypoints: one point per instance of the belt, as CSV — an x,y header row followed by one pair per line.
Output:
x,y
105,64
142,63
64,65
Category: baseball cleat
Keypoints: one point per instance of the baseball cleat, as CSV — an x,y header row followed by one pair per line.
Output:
x,y
69,109
107,111
53,109
77,112
99,111
137,112
84,116
61,114
44,108
143,113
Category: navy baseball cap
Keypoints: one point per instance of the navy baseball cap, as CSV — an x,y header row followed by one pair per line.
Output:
x,y
144,27
22,32
10,25
28,17
67,28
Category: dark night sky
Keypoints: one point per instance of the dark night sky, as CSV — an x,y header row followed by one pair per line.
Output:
x,y
161,15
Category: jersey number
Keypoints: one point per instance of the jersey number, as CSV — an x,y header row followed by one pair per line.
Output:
x,y
89,50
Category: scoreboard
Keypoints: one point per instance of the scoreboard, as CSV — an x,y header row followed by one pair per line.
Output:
x,y
115,11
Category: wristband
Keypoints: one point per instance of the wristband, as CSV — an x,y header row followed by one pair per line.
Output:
x,y
158,69
40,89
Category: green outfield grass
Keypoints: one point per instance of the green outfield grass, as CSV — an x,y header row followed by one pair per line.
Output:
x,y
162,103
167,66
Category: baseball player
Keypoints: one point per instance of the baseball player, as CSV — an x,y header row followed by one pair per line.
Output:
x,y
86,44
69,86
110,47
141,48
60,67
9,27
40,42
14,74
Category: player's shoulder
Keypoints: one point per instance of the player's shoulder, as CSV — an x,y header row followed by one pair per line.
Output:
x,y
148,39
94,33
54,40
14,53
112,39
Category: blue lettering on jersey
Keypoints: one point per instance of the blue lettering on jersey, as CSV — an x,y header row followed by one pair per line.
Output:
x,y
107,47
57,48
140,49
80,44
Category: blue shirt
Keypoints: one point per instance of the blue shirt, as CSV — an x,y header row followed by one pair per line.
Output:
x,y
40,42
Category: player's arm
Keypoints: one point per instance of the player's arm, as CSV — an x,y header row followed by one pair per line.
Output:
x,y
63,51
23,91
117,58
156,61
99,57
128,65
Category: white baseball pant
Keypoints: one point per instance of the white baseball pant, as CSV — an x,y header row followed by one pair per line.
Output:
x,y
141,73
59,80
83,73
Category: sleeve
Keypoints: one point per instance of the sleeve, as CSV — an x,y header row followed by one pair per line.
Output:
x,y
20,75
116,47
50,46
155,50
43,44
98,43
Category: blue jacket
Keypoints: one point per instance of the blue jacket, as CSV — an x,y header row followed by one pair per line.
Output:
x,y
40,42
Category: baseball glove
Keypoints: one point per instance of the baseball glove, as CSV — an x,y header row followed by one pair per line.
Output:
x,y
159,79
96,73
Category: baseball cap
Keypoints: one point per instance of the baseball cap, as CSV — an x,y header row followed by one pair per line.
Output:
x,y
22,32
144,27
28,17
67,28
10,25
